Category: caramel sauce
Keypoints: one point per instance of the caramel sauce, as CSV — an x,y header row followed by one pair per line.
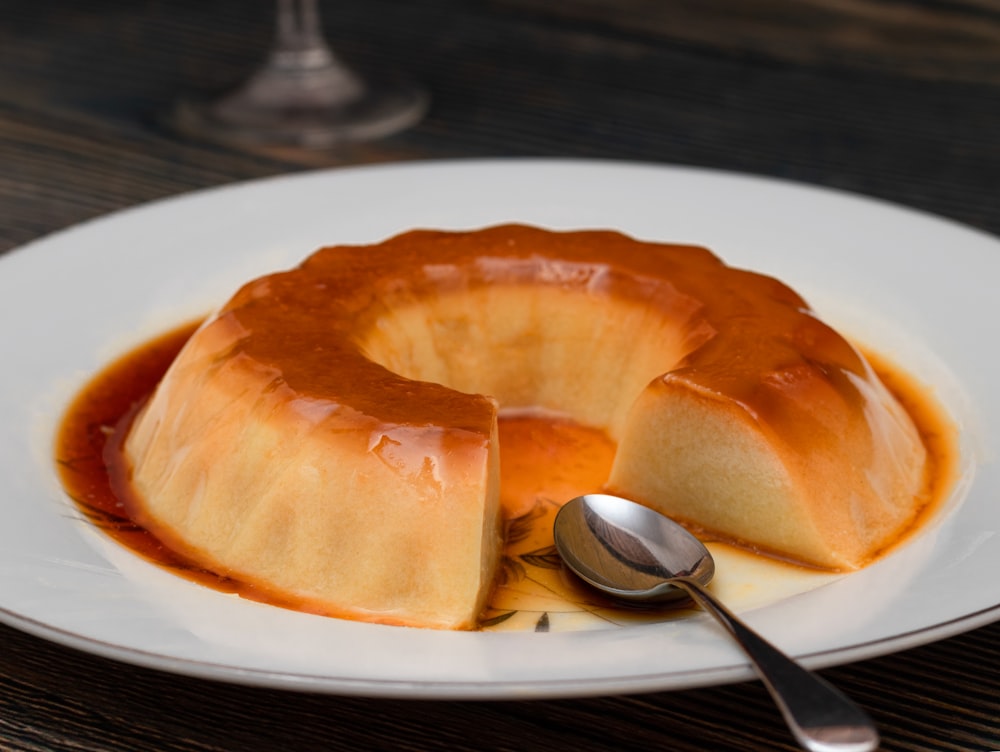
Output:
x,y
938,434
546,459
88,455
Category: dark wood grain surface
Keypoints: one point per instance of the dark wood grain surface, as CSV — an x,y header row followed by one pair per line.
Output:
x,y
895,100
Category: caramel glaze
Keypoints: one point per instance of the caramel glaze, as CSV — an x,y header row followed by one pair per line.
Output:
x,y
305,323
89,453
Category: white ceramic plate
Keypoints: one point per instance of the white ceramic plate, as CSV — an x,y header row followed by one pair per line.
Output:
x,y
918,288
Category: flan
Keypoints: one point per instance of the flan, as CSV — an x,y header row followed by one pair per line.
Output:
x,y
331,432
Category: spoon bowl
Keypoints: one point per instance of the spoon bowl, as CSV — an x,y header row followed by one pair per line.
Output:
x,y
629,551
633,553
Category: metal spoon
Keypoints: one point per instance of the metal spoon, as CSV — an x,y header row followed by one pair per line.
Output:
x,y
635,554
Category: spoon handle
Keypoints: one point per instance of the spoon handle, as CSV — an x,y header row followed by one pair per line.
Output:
x,y
821,717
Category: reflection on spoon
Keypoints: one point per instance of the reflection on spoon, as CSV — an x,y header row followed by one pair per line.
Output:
x,y
633,553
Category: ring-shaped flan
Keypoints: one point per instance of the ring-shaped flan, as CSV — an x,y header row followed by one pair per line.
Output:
x,y
331,432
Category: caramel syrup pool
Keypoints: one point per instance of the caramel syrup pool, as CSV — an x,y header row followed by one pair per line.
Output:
x,y
546,459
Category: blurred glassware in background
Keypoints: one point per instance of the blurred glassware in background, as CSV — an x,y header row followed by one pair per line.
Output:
x,y
303,96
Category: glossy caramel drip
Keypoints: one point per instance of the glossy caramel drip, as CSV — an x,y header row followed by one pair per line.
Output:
x,y
746,336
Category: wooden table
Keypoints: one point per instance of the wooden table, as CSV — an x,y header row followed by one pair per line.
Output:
x,y
896,100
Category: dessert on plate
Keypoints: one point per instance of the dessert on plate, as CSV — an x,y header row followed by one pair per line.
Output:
x,y
331,432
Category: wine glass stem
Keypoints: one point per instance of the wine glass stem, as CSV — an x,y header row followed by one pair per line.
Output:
x,y
299,32
298,23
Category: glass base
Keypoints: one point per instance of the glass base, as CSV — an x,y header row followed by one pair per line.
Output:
x,y
370,110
